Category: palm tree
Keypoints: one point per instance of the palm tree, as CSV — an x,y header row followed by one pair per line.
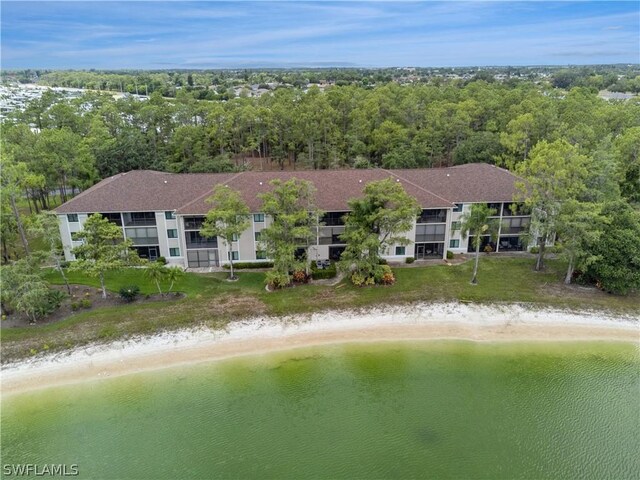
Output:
x,y
477,223
156,271
173,275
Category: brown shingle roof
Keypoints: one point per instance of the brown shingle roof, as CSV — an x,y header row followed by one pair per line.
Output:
x,y
470,183
146,190
333,188
143,190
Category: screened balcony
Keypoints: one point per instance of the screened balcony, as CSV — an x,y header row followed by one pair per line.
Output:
x,y
430,233
331,219
193,223
515,225
142,235
438,215
139,219
114,218
331,236
195,240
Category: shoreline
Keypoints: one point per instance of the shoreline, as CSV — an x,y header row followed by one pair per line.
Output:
x,y
260,335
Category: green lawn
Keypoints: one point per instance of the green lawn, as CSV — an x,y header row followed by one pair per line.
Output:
x,y
213,301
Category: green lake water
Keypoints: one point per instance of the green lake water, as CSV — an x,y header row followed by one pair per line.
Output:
x,y
441,409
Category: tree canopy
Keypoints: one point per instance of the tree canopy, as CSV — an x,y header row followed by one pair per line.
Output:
x,y
377,220
228,218
103,249
293,220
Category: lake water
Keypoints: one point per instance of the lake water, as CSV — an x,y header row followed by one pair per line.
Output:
x,y
441,409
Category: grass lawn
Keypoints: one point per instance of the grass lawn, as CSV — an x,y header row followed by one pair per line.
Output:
x,y
211,300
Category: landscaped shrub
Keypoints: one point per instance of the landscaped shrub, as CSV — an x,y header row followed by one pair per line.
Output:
x,y
323,274
549,249
357,279
276,280
387,277
449,254
52,303
300,276
162,260
74,306
242,265
129,293
409,260
85,303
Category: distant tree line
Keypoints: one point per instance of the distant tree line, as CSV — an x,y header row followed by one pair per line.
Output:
x,y
219,84
57,147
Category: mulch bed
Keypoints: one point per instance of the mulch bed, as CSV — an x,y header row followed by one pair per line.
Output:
x,y
79,293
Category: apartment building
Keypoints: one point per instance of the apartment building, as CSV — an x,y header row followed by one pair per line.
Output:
x,y
162,212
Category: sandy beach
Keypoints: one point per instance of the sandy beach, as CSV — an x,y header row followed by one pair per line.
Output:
x,y
472,322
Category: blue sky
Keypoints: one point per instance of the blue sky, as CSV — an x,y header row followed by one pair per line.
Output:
x,y
155,35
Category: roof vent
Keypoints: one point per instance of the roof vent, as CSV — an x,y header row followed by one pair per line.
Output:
x,y
166,181
448,175
359,181
260,183
397,179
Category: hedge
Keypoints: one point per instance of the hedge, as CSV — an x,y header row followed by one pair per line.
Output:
x,y
324,274
242,265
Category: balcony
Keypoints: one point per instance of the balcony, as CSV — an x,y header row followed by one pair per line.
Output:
x,y
193,223
139,219
195,240
430,233
114,218
331,219
515,225
142,235
331,236
432,216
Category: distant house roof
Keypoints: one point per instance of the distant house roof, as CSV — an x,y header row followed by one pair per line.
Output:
x,y
146,190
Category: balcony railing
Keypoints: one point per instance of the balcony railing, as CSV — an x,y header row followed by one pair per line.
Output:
x,y
195,240
142,236
145,241
142,222
430,238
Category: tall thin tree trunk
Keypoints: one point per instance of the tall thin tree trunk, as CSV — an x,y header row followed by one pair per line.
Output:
x,y
570,268
230,258
540,260
16,214
64,278
474,279
26,190
104,289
